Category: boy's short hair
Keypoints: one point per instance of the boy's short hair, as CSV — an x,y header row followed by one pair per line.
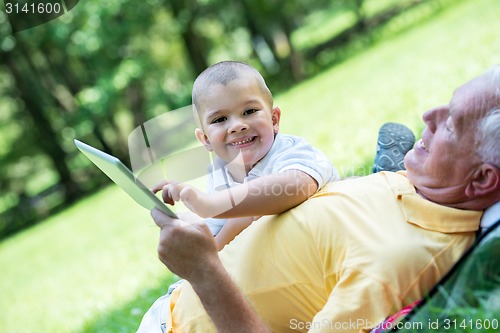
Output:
x,y
224,72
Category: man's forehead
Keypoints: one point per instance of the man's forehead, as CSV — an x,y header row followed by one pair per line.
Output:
x,y
469,103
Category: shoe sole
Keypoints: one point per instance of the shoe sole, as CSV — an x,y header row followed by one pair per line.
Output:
x,y
394,141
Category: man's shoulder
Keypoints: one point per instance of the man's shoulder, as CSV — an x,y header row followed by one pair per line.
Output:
x,y
372,183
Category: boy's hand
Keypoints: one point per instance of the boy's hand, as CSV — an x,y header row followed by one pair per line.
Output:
x,y
159,187
173,192
196,201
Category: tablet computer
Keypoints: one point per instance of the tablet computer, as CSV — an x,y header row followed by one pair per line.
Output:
x,y
123,177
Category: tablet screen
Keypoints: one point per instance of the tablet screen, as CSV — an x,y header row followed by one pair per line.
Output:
x,y
124,178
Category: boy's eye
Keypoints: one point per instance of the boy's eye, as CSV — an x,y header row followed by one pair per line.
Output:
x,y
250,111
218,120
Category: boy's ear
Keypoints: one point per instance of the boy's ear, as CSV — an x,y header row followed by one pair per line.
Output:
x,y
200,135
276,116
485,182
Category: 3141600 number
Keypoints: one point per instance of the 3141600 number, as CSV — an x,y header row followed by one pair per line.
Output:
x,y
32,8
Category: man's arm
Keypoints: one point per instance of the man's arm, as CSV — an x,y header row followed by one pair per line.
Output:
x,y
266,195
190,252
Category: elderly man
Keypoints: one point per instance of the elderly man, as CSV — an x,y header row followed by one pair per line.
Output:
x,y
358,250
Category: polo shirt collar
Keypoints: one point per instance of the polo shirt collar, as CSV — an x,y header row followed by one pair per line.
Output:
x,y
259,169
423,213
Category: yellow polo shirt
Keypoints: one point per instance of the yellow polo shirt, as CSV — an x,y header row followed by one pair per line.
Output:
x,y
354,253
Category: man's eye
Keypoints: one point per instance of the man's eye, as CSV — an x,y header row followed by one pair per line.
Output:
x,y
448,124
218,120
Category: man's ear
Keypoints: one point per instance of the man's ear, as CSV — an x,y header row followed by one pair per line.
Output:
x,y
486,180
200,135
276,116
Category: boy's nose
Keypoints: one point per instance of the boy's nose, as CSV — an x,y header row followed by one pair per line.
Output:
x,y
237,126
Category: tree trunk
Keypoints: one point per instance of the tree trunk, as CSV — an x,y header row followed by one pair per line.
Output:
x,y
47,138
295,58
194,43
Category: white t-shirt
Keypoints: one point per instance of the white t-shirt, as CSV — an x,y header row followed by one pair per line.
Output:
x,y
288,152
490,216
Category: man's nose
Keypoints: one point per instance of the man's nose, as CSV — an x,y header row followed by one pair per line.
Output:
x,y
434,117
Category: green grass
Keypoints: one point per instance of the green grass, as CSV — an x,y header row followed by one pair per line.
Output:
x,y
96,256
94,268
323,25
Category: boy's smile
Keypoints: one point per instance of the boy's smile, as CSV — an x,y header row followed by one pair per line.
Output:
x,y
243,143
236,118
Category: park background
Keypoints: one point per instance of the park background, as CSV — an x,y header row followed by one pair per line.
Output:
x,y
77,254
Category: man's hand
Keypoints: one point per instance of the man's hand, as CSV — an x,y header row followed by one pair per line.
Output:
x,y
187,249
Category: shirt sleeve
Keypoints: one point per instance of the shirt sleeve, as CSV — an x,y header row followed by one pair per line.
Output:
x,y
300,155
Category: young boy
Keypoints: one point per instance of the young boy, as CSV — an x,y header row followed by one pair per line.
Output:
x,y
256,170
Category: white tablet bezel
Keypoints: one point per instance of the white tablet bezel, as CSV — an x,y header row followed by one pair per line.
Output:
x,y
124,178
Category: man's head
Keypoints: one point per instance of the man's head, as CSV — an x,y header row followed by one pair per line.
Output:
x,y
457,161
235,112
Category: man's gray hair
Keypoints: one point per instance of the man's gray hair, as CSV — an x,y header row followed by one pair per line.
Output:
x,y
488,138
488,134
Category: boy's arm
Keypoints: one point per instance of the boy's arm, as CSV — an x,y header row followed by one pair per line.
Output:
x,y
266,195
231,229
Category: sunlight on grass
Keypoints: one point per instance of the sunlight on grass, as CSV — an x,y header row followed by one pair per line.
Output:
x,y
94,257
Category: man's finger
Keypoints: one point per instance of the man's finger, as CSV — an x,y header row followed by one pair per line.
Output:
x,y
161,219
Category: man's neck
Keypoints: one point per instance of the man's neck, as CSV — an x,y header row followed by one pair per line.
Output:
x,y
455,197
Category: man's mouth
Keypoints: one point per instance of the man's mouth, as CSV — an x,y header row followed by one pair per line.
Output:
x,y
422,144
243,141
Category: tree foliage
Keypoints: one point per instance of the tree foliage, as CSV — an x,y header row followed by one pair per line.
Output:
x,y
103,68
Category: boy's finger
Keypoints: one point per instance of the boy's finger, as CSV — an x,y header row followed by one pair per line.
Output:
x,y
158,187
175,191
187,194
166,195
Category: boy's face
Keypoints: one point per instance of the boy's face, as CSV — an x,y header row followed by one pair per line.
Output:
x,y
237,118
